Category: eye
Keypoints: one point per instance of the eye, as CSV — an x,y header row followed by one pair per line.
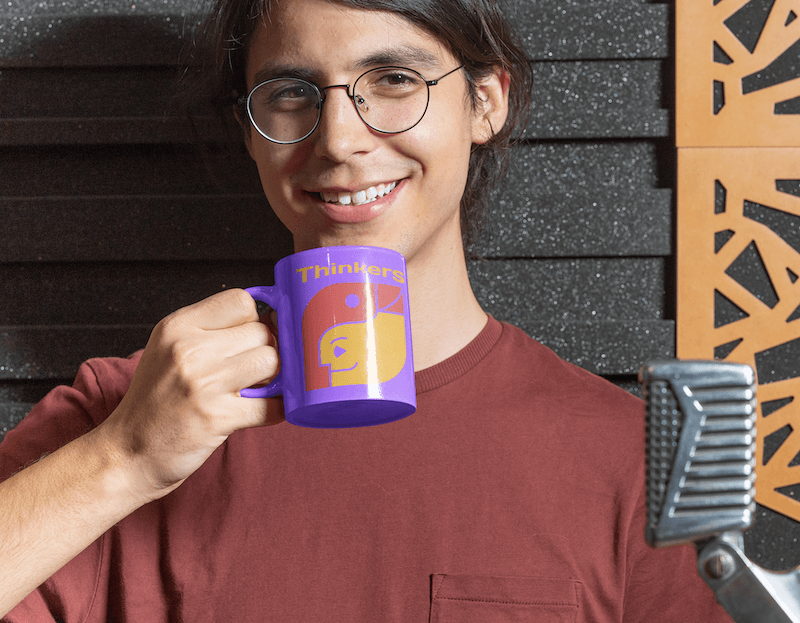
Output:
x,y
284,95
398,79
390,82
395,78
292,92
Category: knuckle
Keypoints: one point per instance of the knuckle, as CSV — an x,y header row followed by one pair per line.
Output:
x,y
182,361
171,325
191,387
262,333
271,359
184,353
177,354
265,363
242,300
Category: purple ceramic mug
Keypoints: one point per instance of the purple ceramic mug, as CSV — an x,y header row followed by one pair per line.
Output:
x,y
344,334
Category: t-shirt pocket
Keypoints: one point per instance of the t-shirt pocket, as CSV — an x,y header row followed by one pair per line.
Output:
x,y
489,599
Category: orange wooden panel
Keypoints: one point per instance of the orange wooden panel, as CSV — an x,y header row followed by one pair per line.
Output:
x,y
738,208
757,68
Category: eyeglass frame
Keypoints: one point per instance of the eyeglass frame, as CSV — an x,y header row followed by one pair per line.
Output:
x,y
322,96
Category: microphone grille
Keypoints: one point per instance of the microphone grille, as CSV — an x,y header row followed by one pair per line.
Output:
x,y
700,442
663,425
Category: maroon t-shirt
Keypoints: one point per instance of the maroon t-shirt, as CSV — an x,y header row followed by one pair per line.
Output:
x,y
514,493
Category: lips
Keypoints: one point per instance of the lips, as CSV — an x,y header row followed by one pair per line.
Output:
x,y
358,206
360,197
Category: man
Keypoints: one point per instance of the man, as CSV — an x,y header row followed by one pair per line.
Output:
x,y
514,492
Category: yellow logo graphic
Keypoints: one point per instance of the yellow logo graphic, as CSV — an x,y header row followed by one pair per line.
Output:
x,y
360,353
354,334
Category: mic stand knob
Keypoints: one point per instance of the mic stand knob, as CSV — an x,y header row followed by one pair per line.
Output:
x,y
719,565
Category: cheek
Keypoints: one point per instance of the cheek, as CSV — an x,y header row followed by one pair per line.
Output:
x,y
447,156
453,135
441,143
277,165
443,161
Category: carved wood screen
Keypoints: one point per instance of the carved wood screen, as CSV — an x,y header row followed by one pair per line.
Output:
x,y
738,138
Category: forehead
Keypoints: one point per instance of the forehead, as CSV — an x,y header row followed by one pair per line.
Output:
x,y
321,38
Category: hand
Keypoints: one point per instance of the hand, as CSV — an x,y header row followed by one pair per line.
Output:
x,y
184,400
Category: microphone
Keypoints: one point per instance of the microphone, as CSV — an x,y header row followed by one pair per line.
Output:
x,y
700,435
700,427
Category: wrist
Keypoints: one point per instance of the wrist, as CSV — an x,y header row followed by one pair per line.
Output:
x,y
119,471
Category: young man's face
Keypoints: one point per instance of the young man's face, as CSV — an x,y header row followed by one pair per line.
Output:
x,y
332,44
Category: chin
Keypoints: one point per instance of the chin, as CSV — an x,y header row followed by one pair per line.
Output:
x,y
349,238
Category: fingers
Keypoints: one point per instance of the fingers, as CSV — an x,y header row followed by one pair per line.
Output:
x,y
254,367
233,341
222,326
222,310
184,399
256,412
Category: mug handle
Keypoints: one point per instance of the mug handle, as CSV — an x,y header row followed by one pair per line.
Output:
x,y
268,295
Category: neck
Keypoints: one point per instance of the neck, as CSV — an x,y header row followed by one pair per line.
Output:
x,y
445,315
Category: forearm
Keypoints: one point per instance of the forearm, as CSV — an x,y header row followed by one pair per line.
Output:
x,y
54,509
180,406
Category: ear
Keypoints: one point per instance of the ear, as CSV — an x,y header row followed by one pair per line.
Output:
x,y
491,108
244,124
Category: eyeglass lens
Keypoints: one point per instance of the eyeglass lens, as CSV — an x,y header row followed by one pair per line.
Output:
x,y
388,99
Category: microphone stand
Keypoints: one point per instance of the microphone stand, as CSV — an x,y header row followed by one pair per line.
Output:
x,y
700,426
749,593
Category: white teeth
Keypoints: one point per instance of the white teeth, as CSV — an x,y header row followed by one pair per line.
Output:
x,y
359,197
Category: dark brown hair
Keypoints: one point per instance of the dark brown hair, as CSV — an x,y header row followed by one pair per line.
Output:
x,y
475,31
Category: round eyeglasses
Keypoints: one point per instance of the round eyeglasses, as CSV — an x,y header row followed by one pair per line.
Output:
x,y
389,100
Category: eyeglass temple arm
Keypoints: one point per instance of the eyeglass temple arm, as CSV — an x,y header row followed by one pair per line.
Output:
x,y
433,83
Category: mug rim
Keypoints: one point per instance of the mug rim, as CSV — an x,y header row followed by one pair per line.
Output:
x,y
354,247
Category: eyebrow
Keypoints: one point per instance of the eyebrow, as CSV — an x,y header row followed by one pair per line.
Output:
x,y
405,56
402,55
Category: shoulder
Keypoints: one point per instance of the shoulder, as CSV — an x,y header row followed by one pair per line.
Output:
x,y
97,389
572,411
104,381
538,371
68,412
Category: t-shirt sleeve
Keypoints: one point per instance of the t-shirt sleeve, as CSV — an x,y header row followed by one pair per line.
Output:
x,y
65,414
663,585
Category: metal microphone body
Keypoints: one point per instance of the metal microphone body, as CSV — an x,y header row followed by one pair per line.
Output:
x,y
700,435
701,430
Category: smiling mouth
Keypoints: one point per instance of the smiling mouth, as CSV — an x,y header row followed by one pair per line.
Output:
x,y
361,197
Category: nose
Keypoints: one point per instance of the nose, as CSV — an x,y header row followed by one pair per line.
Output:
x,y
341,132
